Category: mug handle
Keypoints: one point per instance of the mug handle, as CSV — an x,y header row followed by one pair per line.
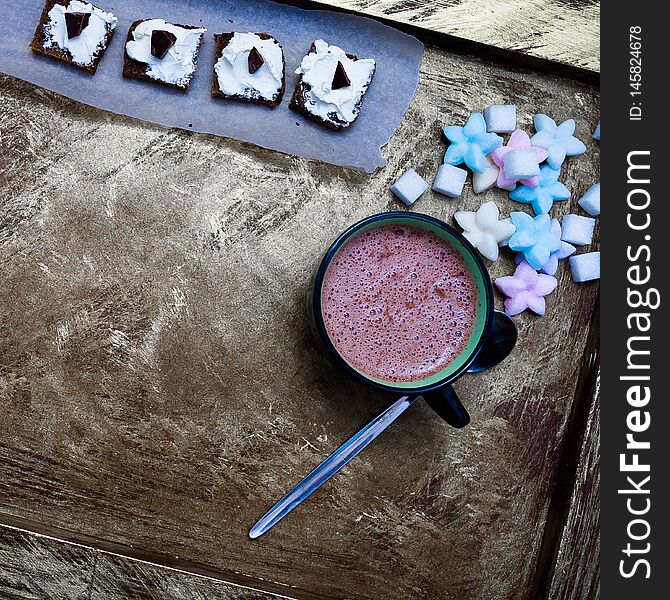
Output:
x,y
497,347
446,404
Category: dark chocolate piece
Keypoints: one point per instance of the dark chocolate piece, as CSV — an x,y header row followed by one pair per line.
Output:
x,y
340,79
161,42
76,22
255,60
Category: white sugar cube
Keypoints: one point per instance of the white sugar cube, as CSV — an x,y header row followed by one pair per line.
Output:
x,y
585,267
450,180
590,201
409,187
521,164
596,133
500,118
577,229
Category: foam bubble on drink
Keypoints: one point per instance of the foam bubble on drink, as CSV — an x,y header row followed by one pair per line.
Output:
x,y
399,303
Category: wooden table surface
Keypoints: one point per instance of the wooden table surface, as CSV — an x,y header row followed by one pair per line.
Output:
x,y
159,387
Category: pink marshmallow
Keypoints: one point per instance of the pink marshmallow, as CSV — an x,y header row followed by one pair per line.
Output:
x,y
519,140
526,289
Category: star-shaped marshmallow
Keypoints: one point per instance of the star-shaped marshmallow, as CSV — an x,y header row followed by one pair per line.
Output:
x,y
534,238
471,143
487,179
563,252
519,140
526,289
548,191
483,229
557,140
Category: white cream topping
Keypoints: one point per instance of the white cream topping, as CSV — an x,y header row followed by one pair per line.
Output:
x,y
178,65
86,45
232,68
317,70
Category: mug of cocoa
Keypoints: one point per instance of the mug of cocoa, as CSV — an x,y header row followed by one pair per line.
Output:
x,y
404,303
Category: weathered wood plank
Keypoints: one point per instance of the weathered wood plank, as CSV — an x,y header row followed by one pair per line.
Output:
x,y
577,571
566,32
160,388
32,568
568,560
43,568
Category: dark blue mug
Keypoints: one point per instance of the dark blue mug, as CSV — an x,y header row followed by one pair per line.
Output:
x,y
493,336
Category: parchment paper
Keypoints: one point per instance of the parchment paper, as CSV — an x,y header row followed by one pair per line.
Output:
x,y
398,57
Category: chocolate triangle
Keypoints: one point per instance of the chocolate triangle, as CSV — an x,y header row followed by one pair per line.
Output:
x,y
340,79
76,22
161,42
255,60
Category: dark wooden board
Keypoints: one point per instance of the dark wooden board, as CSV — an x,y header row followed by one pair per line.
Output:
x,y
562,31
577,570
160,388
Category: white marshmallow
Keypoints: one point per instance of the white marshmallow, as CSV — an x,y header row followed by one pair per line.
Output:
x,y
450,180
521,164
585,267
487,179
577,229
590,201
500,118
409,187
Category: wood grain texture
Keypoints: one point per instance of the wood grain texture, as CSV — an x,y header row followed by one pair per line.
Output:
x,y
564,31
41,568
577,569
160,388
32,568
567,502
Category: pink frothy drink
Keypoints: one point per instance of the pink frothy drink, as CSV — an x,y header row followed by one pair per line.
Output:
x,y
399,303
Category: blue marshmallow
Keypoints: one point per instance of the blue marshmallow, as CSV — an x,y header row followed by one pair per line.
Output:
x,y
535,238
409,187
590,201
585,267
548,191
596,133
521,164
577,229
500,118
470,144
450,180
